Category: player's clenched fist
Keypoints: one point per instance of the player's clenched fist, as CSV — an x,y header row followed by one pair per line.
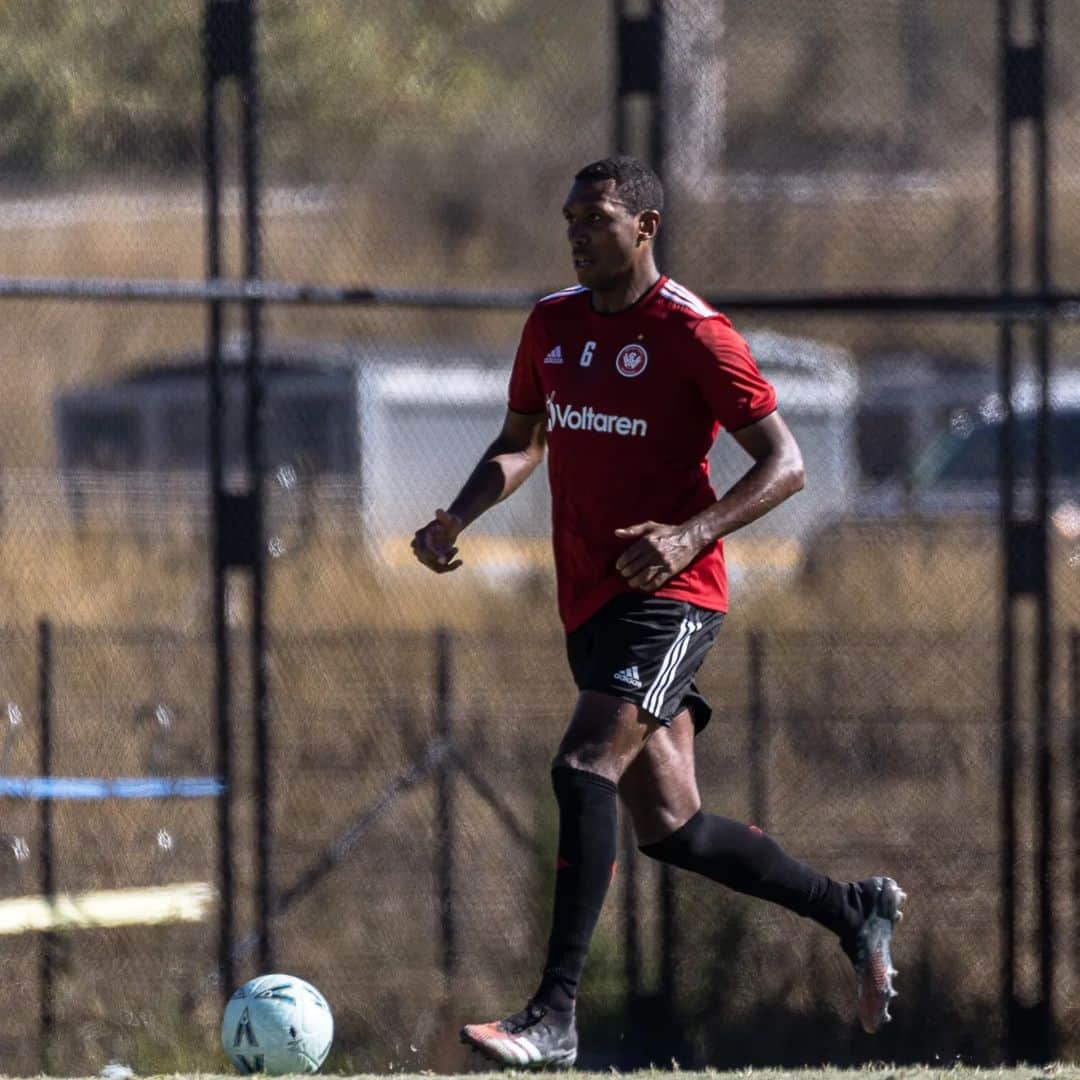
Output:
x,y
658,554
434,544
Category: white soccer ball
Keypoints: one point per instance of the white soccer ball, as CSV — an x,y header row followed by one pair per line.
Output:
x,y
277,1024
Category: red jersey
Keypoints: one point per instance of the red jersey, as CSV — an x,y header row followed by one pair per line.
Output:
x,y
634,400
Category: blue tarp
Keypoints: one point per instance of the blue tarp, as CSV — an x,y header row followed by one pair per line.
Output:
x,y
123,787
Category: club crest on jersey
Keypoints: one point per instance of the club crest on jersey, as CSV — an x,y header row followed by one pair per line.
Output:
x,y
631,361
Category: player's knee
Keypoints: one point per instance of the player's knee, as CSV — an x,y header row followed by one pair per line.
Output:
x,y
590,758
661,798
707,838
677,847
671,841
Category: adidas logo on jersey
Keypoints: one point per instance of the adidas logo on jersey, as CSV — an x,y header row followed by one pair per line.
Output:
x,y
629,676
555,356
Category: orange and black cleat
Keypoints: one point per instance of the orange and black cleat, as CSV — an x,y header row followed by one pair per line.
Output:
x,y
535,1038
871,956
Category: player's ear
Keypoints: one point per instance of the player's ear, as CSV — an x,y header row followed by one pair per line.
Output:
x,y
648,225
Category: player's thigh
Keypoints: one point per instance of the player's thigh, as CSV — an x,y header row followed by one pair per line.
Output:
x,y
659,787
645,650
605,735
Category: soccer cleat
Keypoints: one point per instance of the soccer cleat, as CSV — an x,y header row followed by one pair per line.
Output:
x,y
535,1038
873,963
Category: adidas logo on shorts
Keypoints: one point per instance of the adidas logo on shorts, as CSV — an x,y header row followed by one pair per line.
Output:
x,y
629,676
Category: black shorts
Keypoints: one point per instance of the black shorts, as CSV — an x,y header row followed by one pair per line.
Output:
x,y
646,649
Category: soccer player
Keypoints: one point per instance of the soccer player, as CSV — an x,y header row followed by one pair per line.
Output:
x,y
626,378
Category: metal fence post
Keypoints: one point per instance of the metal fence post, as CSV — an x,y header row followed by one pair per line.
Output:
x,y
1074,757
640,51
47,1019
669,938
639,42
444,854
631,930
1030,1032
255,453
759,734
216,67
238,517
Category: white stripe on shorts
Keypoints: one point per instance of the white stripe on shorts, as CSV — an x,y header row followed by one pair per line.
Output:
x,y
654,697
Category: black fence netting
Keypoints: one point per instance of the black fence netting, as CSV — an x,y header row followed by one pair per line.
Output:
x,y
404,821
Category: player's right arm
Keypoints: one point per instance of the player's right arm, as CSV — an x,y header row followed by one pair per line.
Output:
x,y
504,466
502,469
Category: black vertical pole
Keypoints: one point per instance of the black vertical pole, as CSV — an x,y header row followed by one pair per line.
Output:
x,y
639,46
657,147
1030,1029
619,128
635,1009
652,51
216,66
631,930
629,870
759,735
654,47
632,944
1074,756
46,1017
669,939
1044,670
1008,637
444,855
640,70
254,449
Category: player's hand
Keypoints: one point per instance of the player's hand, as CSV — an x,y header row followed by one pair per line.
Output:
x,y
434,544
658,553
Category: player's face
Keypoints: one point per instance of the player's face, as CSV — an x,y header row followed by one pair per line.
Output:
x,y
605,238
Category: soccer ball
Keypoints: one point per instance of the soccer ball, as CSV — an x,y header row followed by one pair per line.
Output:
x,y
277,1024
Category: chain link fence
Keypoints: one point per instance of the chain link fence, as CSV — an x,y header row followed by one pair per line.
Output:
x,y
833,146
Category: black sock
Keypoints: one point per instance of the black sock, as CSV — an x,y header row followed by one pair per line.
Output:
x,y
746,860
588,818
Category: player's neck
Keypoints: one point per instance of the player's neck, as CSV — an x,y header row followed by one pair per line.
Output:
x,y
625,293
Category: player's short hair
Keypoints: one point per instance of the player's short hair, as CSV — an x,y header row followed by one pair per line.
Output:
x,y
636,185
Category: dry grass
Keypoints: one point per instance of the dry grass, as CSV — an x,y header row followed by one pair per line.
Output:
x,y
1056,1071
880,684
855,579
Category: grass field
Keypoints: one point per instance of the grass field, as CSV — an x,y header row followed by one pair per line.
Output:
x,y
1060,1071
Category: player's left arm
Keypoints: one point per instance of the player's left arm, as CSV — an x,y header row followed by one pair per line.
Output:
x,y
661,550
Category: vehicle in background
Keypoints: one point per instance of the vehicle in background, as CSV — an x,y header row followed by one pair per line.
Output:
x,y
958,468
957,475
905,401
134,451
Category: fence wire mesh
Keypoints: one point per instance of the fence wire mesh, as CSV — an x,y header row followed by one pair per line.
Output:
x,y
829,146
